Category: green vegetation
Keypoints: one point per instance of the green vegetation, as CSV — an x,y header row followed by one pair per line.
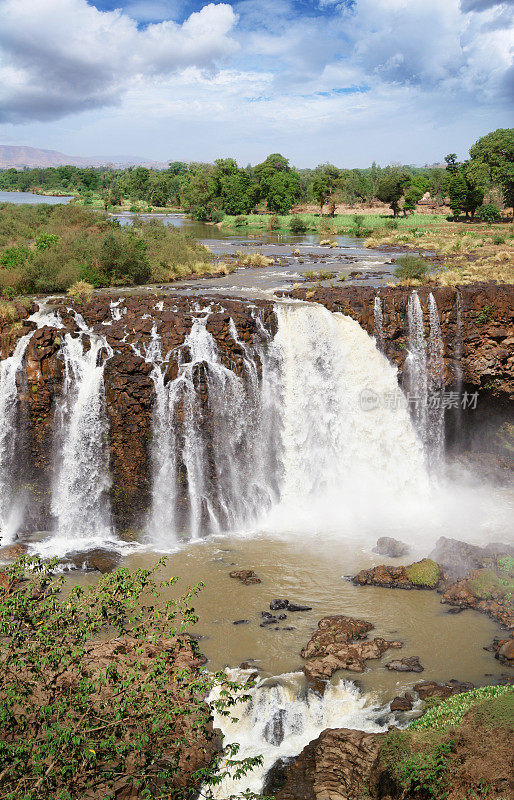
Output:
x,y
442,714
78,720
424,573
50,248
497,583
411,267
450,751
317,275
489,213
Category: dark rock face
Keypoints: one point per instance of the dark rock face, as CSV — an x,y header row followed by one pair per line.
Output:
x,y
427,689
387,546
457,558
485,338
336,765
246,576
402,703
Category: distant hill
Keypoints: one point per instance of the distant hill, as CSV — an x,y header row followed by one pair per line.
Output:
x,y
18,156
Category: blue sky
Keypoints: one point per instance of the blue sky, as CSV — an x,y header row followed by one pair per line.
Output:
x,y
346,81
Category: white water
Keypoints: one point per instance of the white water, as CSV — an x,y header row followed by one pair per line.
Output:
x,y
378,322
282,717
209,465
10,508
342,459
81,470
435,382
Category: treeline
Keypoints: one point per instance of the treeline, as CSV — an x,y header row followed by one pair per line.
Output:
x,y
210,191
47,248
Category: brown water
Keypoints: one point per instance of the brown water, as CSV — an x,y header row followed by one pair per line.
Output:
x,y
448,645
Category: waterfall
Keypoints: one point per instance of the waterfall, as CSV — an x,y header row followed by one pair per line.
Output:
x,y
210,470
282,716
378,322
81,468
347,439
424,369
9,507
435,387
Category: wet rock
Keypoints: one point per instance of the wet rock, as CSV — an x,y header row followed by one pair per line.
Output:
x,y
458,558
246,576
426,689
98,560
483,590
424,574
505,652
337,644
402,703
387,546
276,776
274,728
335,766
12,551
241,622
282,616
278,604
296,607
410,664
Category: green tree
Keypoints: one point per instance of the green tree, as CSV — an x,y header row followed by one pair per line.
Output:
x,y
283,189
458,190
391,188
325,185
452,165
492,157
199,195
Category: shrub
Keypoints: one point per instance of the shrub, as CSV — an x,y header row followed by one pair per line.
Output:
x,y
8,311
240,221
273,223
411,268
84,717
297,225
424,573
81,291
497,239
391,224
317,275
488,213
46,240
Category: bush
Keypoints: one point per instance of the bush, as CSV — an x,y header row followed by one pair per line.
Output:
x,y
488,213
96,696
240,221
411,268
391,224
497,239
81,291
297,225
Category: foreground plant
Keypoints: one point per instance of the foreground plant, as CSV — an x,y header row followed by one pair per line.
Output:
x,y
101,691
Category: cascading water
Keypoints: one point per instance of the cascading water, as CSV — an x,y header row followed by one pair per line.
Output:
x,y
210,471
282,716
9,505
79,493
378,322
347,441
435,387
424,369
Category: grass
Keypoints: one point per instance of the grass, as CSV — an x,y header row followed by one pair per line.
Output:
x,y
340,224
257,260
442,714
489,584
317,275
412,268
424,573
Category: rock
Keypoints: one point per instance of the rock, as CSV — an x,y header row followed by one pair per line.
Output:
x,y
387,546
424,574
98,560
410,664
427,689
505,652
278,604
12,551
335,645
335,766
282,616
246,576
484,590
296,607
458,558
274,728
241,622
276,776
402,703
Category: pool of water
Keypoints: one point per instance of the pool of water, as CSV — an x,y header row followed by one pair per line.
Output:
x,y
28,198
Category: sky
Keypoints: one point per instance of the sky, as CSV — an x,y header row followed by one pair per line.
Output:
x,y
345,81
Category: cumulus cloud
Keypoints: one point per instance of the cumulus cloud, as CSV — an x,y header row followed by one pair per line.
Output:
x,y
63,56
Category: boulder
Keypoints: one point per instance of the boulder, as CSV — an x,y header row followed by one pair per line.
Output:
x,y
387,546
12,551
410,664
459,558
402,703
426,689
246,576
424,574
98,560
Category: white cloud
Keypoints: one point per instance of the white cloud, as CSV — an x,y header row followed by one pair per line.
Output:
x,y
69,56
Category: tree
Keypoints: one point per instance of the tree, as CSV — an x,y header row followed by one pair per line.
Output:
x,y
199,195
391,187
452,165
283,189
101,690
458,190
237,191
326,182
492,156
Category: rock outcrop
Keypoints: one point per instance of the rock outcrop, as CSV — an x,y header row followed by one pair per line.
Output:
x,y
424,574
